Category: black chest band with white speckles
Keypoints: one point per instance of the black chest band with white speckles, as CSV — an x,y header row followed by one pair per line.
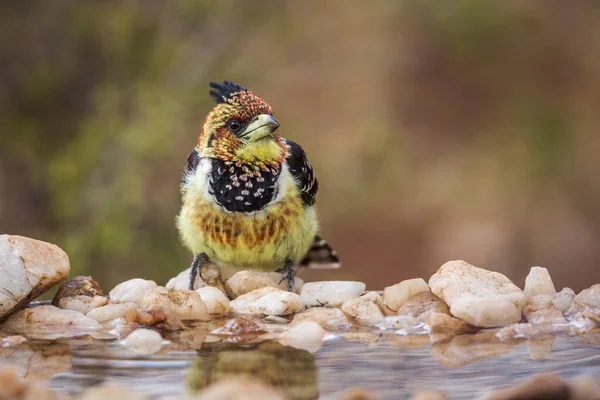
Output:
x,y
240,189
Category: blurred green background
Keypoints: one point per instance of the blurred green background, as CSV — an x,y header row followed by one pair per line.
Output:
x,y
438,130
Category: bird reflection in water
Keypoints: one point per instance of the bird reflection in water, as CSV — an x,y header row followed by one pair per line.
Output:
x,y
290,371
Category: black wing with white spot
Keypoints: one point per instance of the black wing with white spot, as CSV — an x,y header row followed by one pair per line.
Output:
x,y
191,165
303,173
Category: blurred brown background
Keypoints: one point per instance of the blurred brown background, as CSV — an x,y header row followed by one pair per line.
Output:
x,y
439,130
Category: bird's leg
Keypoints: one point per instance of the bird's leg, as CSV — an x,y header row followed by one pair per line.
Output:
x,y
289,273
199,261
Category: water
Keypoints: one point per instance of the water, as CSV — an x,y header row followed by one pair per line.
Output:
x,y
395,367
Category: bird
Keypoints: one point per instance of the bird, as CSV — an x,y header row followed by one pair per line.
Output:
x,y
248,194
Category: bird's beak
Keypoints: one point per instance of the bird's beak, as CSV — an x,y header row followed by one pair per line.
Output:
x,y
262,126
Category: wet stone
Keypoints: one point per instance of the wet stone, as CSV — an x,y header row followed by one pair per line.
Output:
x,y
563,299
428,309
49,322
185,304
155,315
331,319
82,304
182,281
330,293
111,311
539,282
267,301
216,302
78,286
477,296
367,310
243,282
28,268
395,296
127,291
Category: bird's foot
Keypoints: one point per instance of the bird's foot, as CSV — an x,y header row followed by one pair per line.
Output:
x,y
289,273
199,261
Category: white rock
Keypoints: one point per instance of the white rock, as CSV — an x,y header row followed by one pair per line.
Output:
x,y
111,311
82,304
477,296
28,268
306,336
543,315
127,291
182,281
589,297
563,299
46,321
185,304
144,341
539,282
367,310
215,300
395,296
331,319
267,301
243,282
330,293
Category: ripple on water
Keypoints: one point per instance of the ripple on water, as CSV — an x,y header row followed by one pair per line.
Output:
x,y
391,368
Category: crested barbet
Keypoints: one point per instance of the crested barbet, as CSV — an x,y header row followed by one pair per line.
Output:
x,y
248,194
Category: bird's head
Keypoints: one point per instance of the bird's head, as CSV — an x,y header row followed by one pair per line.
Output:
x,y
241,129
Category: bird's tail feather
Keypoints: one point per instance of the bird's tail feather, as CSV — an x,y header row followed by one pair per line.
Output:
x,y
320,256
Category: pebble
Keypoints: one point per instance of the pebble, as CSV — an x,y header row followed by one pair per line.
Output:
x,y
584,311
28,268
396,295
216,302
307,336
563,299
589,297
367,310
185,304
538,282
78,286
477,296
111,311
330,293
429,309
182,281
49,321
82,304
267,301
154,315
331,319
144,341
546,314
127,291
243,282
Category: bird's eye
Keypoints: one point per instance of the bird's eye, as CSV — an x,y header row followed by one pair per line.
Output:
x,y
234,126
